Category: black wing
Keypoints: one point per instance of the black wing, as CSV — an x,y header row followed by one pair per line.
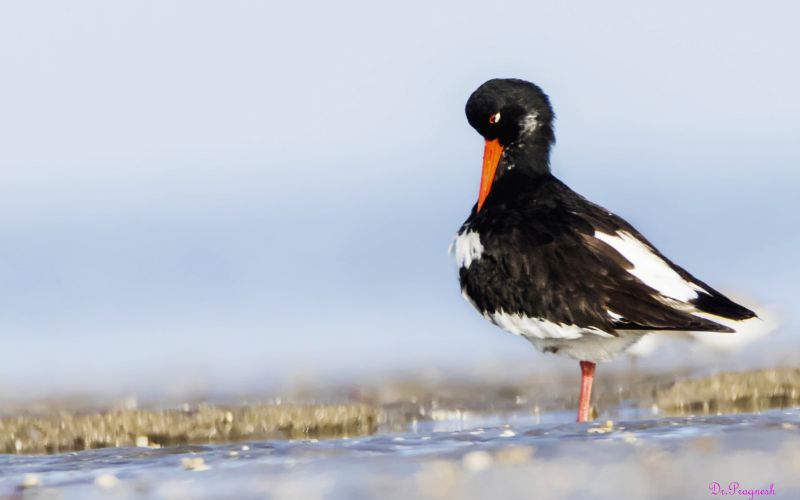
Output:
x,y
545,260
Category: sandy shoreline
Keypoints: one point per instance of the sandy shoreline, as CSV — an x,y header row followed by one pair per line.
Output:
x,y
382,408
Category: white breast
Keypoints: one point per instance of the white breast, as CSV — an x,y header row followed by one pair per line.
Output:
x,y
468,248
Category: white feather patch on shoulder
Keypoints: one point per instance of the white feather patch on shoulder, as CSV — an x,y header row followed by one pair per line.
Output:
x,y
651,269
524,326
468,248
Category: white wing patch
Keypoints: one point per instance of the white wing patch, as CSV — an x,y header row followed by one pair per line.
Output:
x,y
540,328
649,267
468,248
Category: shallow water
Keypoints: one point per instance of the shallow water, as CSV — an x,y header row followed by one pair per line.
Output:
x,y
484,456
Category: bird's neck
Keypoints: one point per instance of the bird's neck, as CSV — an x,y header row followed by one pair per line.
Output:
x,y
519,172
522,167
532,159
532,152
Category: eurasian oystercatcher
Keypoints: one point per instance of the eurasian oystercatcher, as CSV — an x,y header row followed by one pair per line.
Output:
x,y
540,261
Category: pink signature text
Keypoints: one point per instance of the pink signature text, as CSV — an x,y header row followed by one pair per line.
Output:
x,y
735,489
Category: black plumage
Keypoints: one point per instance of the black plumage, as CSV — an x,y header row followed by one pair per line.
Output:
x,y
540,257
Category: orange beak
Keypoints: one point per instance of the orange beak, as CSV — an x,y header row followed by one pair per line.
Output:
x,y
491,157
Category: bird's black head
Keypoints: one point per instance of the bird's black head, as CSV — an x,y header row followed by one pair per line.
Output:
x,y
515,112
516,119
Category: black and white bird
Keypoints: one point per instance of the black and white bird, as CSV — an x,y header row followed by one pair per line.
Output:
x,y
541,261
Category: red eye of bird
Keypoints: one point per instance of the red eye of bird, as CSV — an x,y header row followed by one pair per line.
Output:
x,y
494,118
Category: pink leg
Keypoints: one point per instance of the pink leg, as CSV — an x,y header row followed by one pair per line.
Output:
x,y
585,402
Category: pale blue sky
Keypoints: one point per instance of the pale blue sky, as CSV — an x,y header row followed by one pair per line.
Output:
x,y
224,193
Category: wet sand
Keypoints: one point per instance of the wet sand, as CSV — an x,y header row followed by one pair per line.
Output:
x,y
414,438
390,407
672,457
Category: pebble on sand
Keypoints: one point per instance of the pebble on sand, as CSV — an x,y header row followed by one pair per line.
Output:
x,y
30,481
106,481
476,461
194,464
607,427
